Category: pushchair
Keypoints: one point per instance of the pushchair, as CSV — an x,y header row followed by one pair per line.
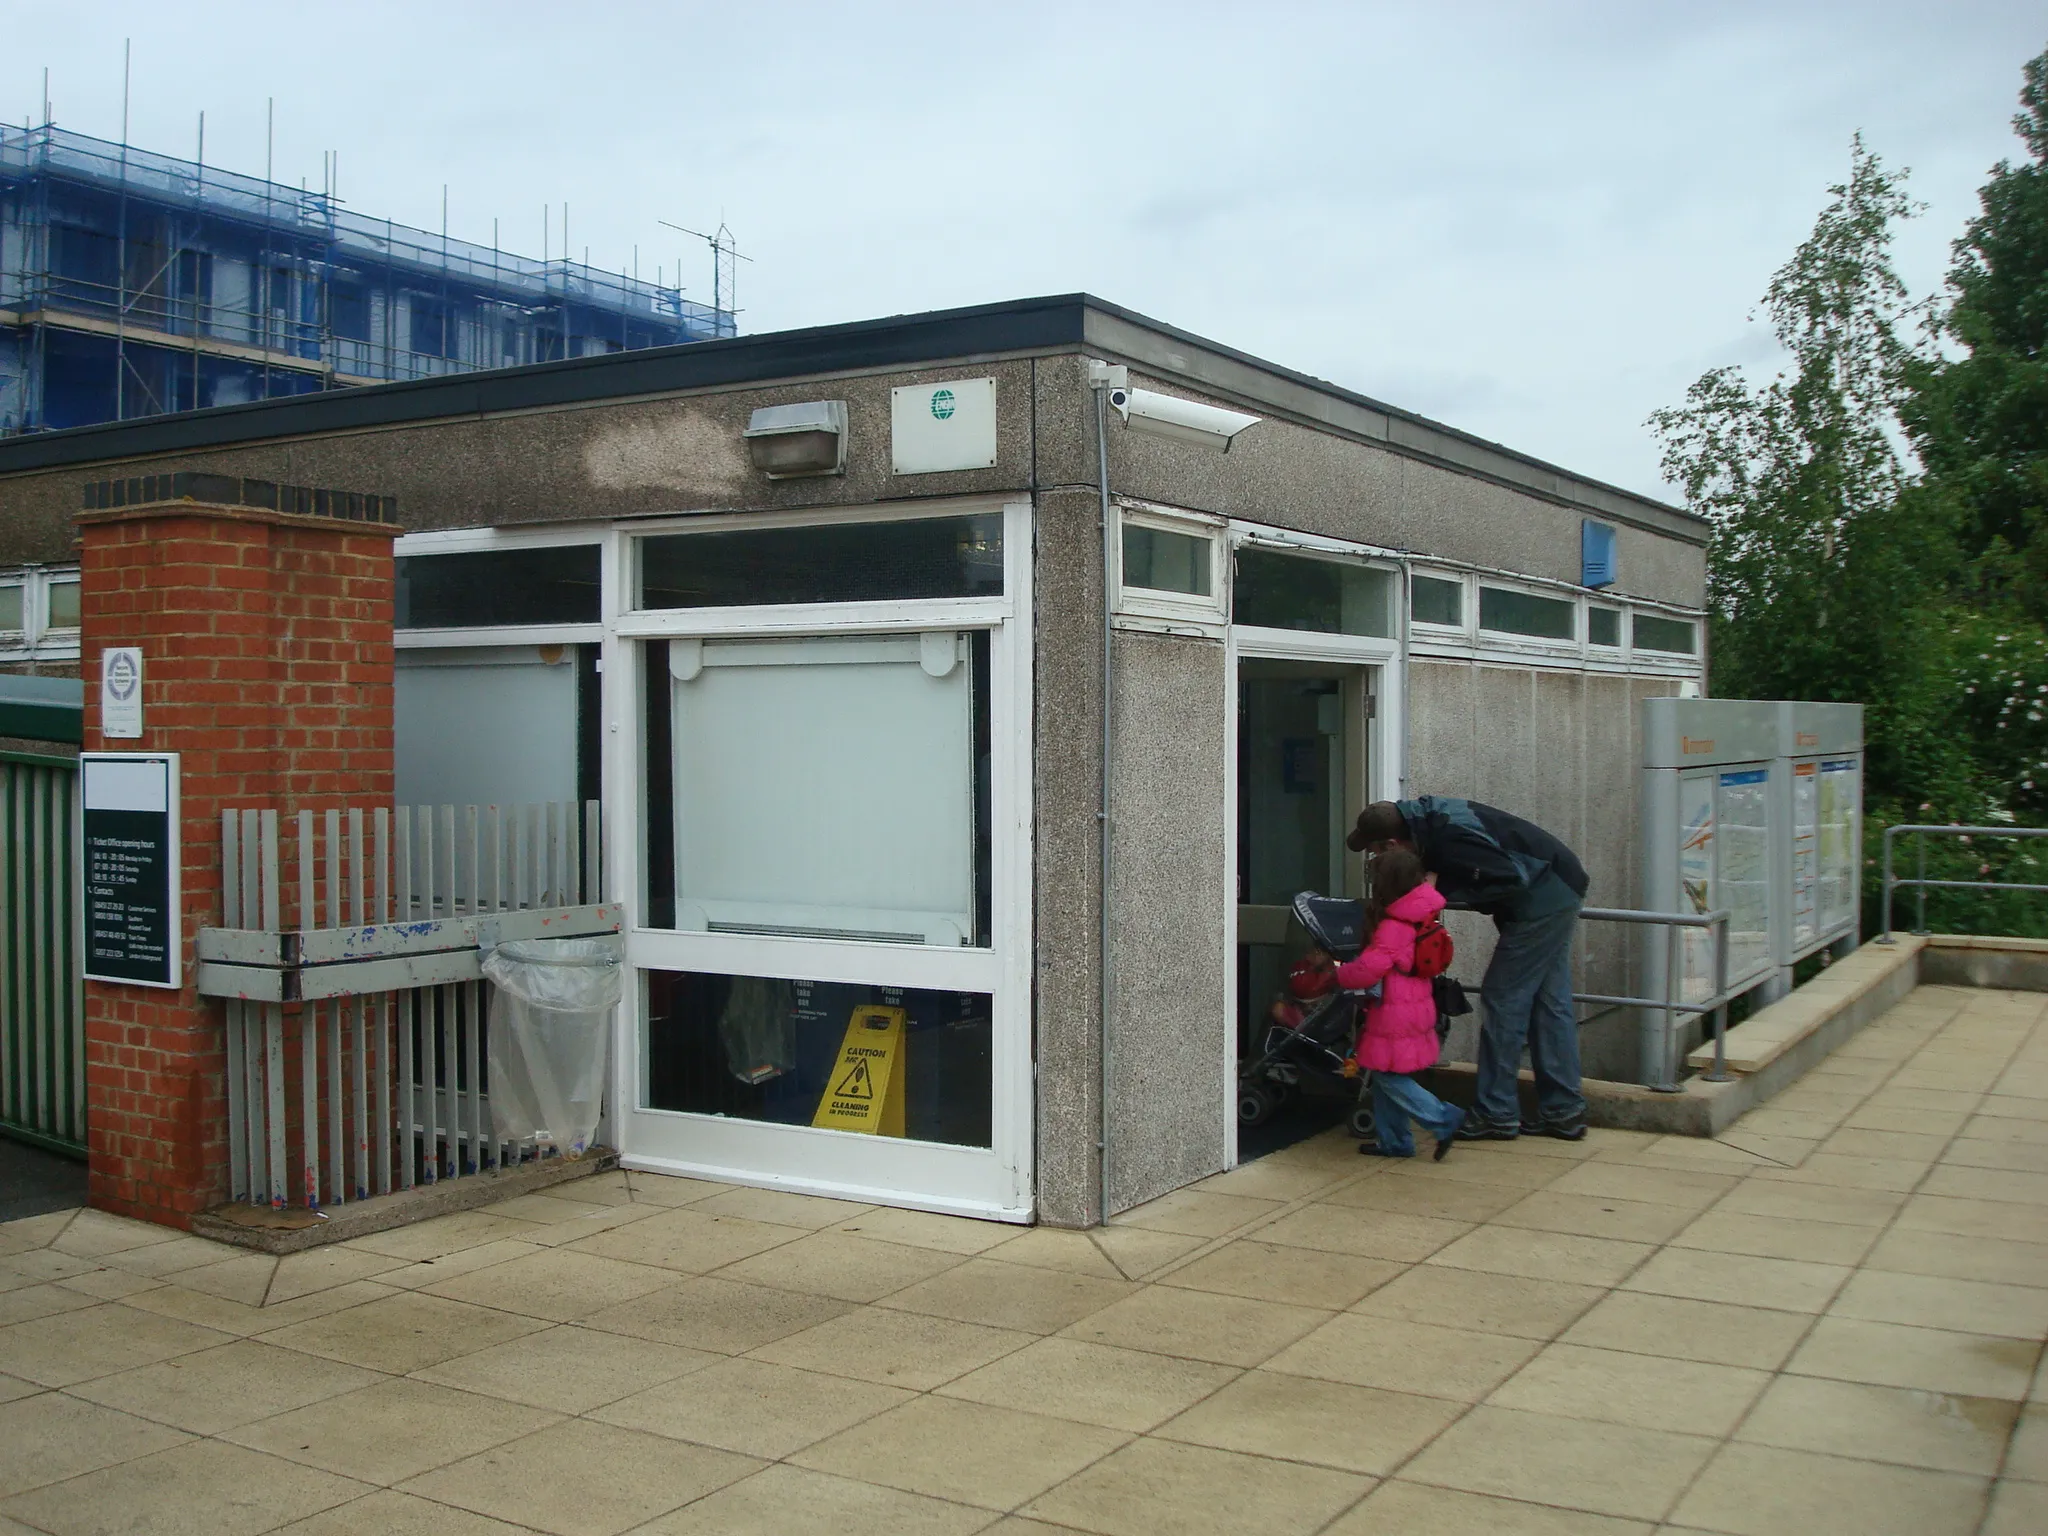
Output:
x,y
1308,1050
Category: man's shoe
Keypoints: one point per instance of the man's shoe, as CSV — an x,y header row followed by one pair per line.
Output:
x,y
1573,1129
1476,1129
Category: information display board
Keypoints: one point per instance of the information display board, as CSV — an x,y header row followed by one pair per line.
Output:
x,y
130,852
1840,807
1805,854
1743,868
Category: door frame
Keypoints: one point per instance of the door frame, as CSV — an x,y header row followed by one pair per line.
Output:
x,y
1384,661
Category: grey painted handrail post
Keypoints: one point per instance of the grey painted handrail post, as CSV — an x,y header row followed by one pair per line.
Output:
x,y
1890,833
1920,891
1719,1074
1663,1070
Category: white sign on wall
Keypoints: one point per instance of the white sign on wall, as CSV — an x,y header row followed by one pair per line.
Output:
x,y
121,692
944,426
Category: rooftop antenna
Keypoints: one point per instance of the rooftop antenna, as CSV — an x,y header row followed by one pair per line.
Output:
x,y
725,259
46,95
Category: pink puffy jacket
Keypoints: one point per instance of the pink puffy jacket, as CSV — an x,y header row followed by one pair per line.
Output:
x,y
1400,1029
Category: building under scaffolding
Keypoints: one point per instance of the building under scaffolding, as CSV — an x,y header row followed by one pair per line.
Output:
x,y
132,284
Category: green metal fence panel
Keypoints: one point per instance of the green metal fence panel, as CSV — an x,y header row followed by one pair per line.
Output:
x,y
42,993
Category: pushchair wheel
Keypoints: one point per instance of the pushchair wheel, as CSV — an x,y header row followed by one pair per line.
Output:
x,y
1362,1124
1255,1104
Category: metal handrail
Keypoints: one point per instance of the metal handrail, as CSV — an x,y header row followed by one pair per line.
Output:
x,y
1660,1075
1923,885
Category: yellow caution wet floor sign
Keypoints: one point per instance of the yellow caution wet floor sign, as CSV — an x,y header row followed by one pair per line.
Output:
x,y
865,1092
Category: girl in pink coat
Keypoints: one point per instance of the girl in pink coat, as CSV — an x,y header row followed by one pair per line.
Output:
x,y
1399,1038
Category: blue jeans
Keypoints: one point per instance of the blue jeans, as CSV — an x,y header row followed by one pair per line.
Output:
x,y
1527,994
1395,1100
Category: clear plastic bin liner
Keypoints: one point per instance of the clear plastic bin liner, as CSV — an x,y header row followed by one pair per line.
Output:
x,y
550,1036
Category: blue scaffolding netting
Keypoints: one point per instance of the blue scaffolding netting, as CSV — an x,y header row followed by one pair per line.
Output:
x,y
133,284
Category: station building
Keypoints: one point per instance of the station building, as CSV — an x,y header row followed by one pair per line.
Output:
x,y
1011,666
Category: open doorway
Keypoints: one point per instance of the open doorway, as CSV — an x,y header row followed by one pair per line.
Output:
x,y
1303,768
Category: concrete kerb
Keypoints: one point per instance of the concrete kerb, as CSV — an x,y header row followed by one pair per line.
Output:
x,y
296,1229
1968,960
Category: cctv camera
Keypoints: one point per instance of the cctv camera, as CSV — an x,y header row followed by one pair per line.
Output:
x,y
1144,410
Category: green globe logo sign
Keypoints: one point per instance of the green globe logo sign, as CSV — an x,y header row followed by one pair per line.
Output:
x,y
942,403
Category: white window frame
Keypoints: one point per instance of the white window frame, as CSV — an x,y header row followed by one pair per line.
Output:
x,y
997,1181
1468,606
1173,611
1468,642
1369,649
1597,651
1685,661
1515,643
37,639
472,541
1386,733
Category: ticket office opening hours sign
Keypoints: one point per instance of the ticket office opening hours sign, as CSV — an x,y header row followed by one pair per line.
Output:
x,y
129,811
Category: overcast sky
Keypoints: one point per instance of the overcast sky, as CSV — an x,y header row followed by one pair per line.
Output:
x,y
1534,222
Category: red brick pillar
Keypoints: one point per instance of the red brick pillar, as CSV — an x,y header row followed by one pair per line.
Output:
x,y
267,657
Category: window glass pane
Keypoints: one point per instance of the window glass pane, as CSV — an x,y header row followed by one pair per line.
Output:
x,y
1655,634
1603,626
892,1061
1524,613
63,600
556,584
1432,600
1166,562
833,563
1331,597
10,610
831,788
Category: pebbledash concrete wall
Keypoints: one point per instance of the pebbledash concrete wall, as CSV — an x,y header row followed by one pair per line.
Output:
x,y
1556,746
1563,749
268,668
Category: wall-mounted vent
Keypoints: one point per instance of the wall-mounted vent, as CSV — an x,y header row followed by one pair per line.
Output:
x,y
1596,554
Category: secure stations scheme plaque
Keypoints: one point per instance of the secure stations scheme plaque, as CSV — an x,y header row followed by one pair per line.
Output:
x,y
130,815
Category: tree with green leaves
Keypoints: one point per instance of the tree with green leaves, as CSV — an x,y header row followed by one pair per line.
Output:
x,y
1826,570
1980,421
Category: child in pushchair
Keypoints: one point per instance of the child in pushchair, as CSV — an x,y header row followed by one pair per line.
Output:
x,y
1312,1030
1312,1040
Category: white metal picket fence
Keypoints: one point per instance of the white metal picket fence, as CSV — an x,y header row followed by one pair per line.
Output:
x,y
381,1081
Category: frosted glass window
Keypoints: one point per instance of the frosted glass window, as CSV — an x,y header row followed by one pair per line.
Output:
x,y
1161,561
495,728
1432,600
11,610
63,605
1603,626
825,788
1672,635
1329,597
1507,611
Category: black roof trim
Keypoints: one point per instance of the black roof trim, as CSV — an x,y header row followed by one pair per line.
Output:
x,y
898,341
1052,323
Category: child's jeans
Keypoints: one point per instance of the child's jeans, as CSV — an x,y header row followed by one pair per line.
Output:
x,y
1397,1098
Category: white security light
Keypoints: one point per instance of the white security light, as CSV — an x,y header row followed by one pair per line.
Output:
x,y
1189,421
786,441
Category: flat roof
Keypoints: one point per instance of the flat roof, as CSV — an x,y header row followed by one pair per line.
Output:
x,y
1017,327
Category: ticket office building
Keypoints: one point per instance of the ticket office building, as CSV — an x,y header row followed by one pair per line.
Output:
x,y
823,619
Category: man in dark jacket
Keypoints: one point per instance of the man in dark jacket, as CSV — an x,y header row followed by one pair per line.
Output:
x,y
1531,885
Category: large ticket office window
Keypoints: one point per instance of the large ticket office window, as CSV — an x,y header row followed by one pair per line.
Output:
x,y
828,883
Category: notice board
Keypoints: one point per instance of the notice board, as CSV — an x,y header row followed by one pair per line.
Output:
x,y
130,852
